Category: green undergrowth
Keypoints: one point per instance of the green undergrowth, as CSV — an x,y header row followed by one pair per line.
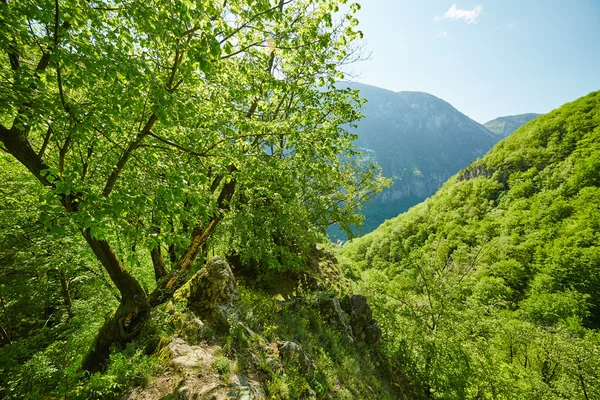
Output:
x,y
342,370
338,368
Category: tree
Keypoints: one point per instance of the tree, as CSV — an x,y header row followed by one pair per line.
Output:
x,y
149,122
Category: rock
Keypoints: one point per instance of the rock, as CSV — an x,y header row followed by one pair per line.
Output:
x,y
186,355
332,311
372,333
364,327
290,351
192,376
211,292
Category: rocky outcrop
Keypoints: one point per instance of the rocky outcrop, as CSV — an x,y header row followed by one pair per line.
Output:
x,y
352,316
331,310
292,352
192,376
211,292
364,327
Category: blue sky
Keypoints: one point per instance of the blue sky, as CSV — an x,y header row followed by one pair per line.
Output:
x,y
486,58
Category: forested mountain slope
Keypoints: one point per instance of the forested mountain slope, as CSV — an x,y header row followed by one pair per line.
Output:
x,y
419,140
489,289
504,126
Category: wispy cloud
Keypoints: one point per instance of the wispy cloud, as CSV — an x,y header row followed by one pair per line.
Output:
x,y
455,13
443,34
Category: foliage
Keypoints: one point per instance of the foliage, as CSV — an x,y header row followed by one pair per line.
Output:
x,y
133,128
489,288
149,123
143,105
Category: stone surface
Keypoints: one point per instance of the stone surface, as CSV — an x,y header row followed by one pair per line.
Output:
x,y
193,377
331,310
364,327
291,351
211,292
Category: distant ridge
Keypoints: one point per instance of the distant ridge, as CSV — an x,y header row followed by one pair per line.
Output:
x,y
419,140
504,126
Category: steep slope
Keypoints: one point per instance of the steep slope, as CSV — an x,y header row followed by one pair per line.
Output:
x,y
419,140
489,289
504,126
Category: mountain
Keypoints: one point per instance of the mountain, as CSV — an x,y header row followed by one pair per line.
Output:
x,y
419,140
504,126
489,289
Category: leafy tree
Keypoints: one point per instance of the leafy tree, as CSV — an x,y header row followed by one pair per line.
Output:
x,y
150,122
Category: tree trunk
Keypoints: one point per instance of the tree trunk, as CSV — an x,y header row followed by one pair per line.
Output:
x,y
200,235
173,281
9,334
121,327
4,338
160,269
130,316
17,144
66,295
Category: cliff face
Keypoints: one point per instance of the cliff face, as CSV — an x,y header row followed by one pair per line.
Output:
x,y
420,141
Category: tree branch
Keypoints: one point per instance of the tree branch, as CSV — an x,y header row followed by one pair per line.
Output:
x,y
253,18
177,146
45,143
112,179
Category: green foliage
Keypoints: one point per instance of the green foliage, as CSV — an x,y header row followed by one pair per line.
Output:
x,y
342,370
145,106
125,370
489,288
222,365
144,124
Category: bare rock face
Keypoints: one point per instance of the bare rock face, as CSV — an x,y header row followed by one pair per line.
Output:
x,y
192,376
364,327
352,316
211,292
332,311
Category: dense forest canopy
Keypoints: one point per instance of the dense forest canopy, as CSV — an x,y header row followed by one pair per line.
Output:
x,y
154,127
489,289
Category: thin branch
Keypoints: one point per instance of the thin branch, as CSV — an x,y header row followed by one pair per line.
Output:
x,y
45,143
112,179
177,146
244,25
243,49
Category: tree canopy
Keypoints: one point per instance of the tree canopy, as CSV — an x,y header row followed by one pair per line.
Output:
x,y
489,288
151,125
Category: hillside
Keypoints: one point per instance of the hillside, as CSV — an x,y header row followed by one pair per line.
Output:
x,y
504,126
419,140
489,288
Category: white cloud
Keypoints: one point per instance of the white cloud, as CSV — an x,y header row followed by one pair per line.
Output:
x,y
443,34
469,16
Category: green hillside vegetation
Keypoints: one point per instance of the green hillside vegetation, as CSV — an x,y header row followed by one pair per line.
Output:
x,y
504,126
489,289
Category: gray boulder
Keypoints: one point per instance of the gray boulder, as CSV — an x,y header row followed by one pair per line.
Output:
x,y
364,327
